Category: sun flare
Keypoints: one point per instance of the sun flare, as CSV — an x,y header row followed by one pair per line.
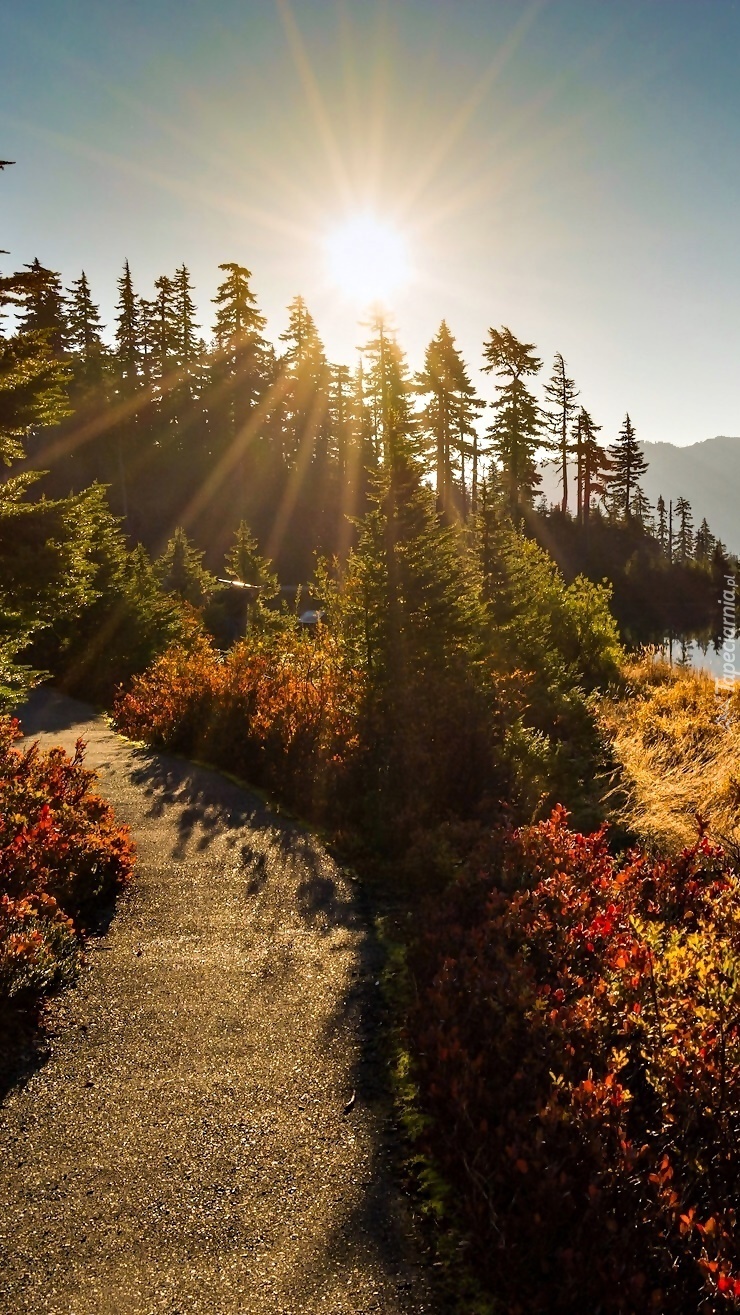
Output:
x,y
367,259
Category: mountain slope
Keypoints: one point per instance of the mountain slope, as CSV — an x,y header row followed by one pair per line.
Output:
x,y
707,473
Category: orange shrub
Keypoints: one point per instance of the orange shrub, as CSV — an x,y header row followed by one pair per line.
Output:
x,y
279,709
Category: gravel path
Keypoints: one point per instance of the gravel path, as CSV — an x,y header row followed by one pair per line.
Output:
x,y
185,1147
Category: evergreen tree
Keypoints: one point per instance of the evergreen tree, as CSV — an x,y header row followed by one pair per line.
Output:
x,y
594,464
187,345
245,563
42,308
662,527
685,538
561,393
305,389
704,543
388,387
165,332
85,338
127,335
628,466
447,416
641,510
515,431
239,368
180,571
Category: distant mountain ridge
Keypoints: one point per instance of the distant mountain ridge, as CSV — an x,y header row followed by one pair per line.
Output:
x,y
707,473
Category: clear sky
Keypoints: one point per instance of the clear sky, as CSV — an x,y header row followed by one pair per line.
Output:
x,y
571,169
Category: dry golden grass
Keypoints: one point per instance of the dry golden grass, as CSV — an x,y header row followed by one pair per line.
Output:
x,y
678,743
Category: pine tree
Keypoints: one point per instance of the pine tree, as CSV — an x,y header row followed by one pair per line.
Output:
x,y
42,307
239,367
164,332
244,562
515,431
662,527
561,393
389,389
641,510
685,538
305,389
628,466
704,543
180,571
447,417
86,338
127,335
187,344
594,464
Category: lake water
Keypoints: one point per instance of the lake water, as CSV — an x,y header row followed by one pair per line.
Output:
x,y
699,654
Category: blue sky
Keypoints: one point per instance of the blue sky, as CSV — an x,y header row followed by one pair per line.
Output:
x,y
569,168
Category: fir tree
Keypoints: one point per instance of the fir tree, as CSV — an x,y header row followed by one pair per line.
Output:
x,y
305,389
447,416
704,543
685,537
561,393
180,571
662,526
641,510
517,426
388,387
238,371
594,464
628,466
127,334
85,342
244,562
42,307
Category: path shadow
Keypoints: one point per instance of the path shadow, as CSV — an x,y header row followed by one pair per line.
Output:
x,y
46,711
206,807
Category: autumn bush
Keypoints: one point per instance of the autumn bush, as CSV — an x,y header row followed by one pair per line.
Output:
x,y
576,1044
61,853
278,709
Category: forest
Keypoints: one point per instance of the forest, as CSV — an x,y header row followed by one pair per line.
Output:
x,y
458,720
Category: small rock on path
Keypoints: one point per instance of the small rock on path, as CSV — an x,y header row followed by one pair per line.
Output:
x,y
185,1147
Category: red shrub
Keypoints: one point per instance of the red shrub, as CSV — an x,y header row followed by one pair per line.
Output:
x,y
61,851
577,1044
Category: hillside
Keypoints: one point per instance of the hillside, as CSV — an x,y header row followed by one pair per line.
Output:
x,y
707,473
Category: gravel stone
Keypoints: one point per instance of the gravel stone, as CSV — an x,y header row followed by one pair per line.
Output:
x,y
189,1143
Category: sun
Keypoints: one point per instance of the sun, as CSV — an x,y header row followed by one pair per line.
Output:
x,y
367,259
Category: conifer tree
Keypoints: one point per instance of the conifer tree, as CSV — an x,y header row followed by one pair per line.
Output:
x,y
305,389
515,431
42,307
239,368
561,393
662,526
165,337
244,562
641,510
448,413
127,335
685,537
187,344
84,324
704,543
628,466
180,570
388,387
593,463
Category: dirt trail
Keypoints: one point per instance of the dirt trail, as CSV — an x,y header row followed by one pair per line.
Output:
x,y
184,1146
